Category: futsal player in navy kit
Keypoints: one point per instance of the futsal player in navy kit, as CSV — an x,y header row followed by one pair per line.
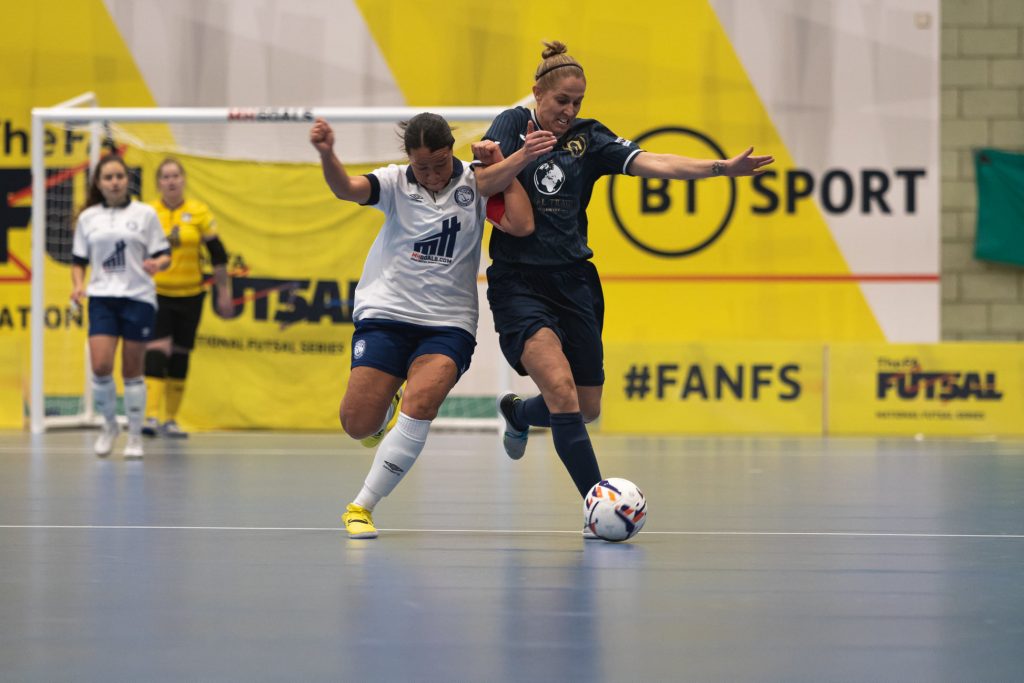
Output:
x,y
544,292
416,303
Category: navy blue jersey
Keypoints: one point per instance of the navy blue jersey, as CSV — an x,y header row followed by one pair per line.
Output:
x,y
559,185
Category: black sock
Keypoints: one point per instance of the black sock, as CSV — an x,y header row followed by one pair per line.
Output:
x,y
572,443
533,412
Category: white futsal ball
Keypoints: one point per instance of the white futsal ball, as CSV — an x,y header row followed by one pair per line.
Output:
x,y
615,509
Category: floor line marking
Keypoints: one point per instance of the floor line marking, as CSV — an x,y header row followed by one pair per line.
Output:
x,y
852,534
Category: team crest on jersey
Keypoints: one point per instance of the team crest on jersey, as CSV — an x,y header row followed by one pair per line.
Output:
x,y
576,147
464,196
359,349
132,225
416,197
186,218
549,178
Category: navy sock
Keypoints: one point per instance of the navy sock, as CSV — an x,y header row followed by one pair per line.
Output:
x,y
572,443
533,412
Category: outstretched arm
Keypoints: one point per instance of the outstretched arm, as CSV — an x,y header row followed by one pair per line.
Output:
x,y
674,167
344,186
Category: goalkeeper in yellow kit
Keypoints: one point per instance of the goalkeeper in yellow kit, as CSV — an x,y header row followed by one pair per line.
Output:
x,y
188,225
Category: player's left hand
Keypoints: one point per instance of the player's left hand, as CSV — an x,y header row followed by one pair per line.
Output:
x,y
152,265
744,164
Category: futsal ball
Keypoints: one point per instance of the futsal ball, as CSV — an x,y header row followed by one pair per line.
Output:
x,y
615,509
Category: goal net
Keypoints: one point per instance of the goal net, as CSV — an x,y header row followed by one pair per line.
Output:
x,y
295,254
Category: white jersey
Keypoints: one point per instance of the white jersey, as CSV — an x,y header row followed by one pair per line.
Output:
x,y
115,241
422,267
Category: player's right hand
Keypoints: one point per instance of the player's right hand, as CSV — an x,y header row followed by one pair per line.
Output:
x,y
487,152
537,142
322,136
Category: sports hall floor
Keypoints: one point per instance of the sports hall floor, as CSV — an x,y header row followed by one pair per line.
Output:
x,y
221,558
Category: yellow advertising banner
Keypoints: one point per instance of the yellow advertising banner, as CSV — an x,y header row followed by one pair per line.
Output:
x,y
713,388
930,389
11,390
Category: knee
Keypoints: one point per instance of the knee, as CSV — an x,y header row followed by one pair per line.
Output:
x,y
102,369
101,364
419,407
590,413
354,422
561,396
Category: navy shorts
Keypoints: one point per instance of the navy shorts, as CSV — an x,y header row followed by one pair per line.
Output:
x,y
570,302
120,317
392,346
177,317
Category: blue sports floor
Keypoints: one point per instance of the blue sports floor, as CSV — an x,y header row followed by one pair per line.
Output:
x,y
221,558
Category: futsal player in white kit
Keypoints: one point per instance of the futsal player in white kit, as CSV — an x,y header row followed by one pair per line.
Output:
x,y
121,242
416,305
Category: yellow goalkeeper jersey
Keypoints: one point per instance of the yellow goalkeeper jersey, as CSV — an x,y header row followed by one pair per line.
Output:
x,y
185,227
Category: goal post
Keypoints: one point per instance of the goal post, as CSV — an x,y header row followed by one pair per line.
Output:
x,y
105,122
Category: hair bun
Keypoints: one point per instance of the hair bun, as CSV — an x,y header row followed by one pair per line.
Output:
x,y
555,47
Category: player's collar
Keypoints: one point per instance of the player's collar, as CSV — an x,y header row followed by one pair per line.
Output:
x,y
456,171
116,206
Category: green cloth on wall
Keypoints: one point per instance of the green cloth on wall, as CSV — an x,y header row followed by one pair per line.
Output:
x,y
1000,232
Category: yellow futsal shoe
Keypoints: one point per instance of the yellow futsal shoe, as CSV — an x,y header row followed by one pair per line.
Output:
x,y
358,522
389,421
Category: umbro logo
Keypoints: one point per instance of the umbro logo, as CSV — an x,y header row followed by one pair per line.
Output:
x,y
392,467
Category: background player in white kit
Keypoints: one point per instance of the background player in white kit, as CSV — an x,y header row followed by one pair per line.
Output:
x,y
416,303
120,240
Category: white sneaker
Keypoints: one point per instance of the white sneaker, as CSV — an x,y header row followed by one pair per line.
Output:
x,y
133,449
105,441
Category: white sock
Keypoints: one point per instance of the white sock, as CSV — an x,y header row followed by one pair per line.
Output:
x,y
394,458
135,403
104,396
